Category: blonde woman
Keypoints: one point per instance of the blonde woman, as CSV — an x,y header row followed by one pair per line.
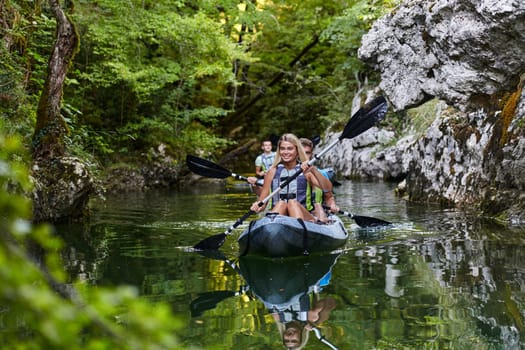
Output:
x,y
292,199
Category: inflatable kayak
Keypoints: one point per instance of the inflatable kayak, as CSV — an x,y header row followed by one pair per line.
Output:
x,y
282,236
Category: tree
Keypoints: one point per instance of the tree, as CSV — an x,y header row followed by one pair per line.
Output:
x,y
50,129
151,72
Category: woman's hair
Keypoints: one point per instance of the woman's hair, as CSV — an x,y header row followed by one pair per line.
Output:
x,y
296,324
295,141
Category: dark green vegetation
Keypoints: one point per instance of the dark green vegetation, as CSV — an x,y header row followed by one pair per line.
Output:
x,y
200,77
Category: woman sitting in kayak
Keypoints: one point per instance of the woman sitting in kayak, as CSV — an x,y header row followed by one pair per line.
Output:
x,y
290,200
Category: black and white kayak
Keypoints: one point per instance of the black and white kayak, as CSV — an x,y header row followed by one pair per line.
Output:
x,y
282,236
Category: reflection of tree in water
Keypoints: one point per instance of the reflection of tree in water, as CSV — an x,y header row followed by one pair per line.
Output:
x,y
464,286
485,274
86,252
476,284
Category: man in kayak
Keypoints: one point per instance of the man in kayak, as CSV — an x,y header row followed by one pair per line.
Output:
x,y
263,162
319,196
291,200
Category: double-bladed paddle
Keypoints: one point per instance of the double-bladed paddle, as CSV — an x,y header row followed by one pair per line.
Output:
x,y
206,168
363,221
362,120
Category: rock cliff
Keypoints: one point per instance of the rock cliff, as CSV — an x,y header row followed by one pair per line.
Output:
x,y
470,55
464,52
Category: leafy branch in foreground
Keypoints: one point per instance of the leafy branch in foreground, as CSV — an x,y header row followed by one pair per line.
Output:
x,y
39,310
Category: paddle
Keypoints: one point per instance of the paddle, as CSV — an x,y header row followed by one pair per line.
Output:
x,y
362,120
363,221
315,140
322,338
209,300
206,168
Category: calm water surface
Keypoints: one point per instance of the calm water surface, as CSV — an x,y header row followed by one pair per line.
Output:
x,y
436,279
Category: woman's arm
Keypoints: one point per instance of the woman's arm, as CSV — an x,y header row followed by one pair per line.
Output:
x,y
265,191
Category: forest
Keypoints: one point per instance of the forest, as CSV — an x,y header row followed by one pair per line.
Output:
x,y
185,76
200,77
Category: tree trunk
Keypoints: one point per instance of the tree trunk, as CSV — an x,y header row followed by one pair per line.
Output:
x,y
50,129
62,184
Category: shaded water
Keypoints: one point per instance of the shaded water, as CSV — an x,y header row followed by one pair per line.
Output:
x,y
436,279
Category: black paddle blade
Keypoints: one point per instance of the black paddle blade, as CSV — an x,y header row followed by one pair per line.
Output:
x,y
367,221
206,168
211,243
366,117
208,300
212,254
315,140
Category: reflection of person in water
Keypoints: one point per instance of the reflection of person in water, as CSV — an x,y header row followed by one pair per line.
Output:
x,y
296,322
291,291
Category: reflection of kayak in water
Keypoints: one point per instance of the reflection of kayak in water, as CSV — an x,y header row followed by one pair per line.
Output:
x,y
287,287
283,236
280,283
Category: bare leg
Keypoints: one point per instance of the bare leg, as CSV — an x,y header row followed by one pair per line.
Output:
x,y
296,210
320,213
281,208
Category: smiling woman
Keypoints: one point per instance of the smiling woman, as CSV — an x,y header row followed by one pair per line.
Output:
x,y
292,198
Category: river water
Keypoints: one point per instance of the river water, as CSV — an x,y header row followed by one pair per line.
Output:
x,y
436,279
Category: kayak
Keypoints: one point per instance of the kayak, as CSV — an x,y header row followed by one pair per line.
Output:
x,y
276,235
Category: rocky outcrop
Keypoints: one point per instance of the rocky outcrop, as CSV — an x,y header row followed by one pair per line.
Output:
x,y
471,55
465,159
62,187
462,51
156,171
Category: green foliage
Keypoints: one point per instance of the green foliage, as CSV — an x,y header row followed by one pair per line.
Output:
x,y
152,73
421,118
33,315
318,89
175,72
24,48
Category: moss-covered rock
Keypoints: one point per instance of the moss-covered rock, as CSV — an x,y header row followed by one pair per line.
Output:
x,y
62,187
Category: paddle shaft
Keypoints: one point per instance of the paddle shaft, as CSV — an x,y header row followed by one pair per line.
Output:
x,y
259,182
207,168
322,338
350,215
239,177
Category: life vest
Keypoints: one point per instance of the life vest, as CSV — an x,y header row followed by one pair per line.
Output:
x,y
297,189
297,311
315,196
265,160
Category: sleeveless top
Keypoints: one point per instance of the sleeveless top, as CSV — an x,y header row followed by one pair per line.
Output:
x,y
297,189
